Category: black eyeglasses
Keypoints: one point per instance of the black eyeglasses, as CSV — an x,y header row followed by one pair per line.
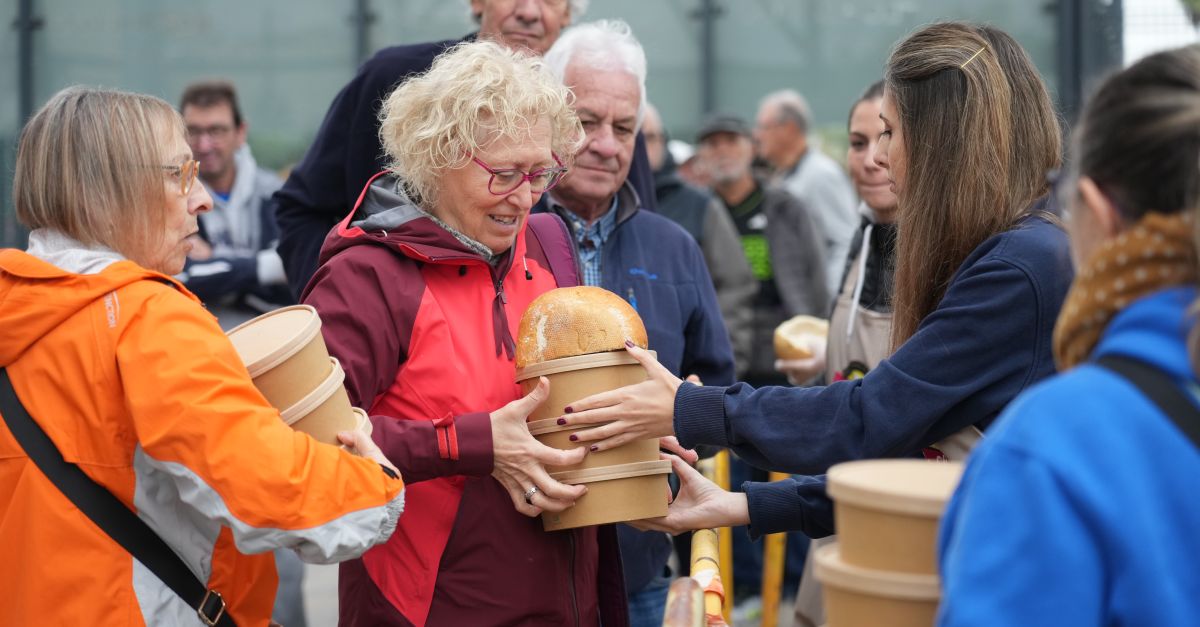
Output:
x,y
505,181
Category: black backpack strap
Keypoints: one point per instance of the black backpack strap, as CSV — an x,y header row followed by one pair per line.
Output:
x,y
1157,386
112,516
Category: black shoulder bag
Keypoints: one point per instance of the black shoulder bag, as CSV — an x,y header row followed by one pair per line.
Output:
x,y
109,514
1157,386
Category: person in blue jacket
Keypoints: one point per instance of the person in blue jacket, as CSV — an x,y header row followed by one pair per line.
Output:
x,y
1080,507
981,272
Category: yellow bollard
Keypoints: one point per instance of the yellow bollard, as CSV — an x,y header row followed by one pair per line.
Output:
x,y
774,556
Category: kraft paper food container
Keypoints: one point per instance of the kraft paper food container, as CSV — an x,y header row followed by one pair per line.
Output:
x,y
361,423
326,410
574,378
615,494
887,511
864,597
284,352
550,433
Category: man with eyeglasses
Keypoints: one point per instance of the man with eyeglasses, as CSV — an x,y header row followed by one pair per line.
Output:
x,y
346,152
641,256
233,266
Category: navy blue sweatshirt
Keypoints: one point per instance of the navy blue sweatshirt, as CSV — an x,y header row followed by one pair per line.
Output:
x,y
988,340
346,153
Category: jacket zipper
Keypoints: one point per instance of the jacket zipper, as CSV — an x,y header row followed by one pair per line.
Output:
x,y
571,576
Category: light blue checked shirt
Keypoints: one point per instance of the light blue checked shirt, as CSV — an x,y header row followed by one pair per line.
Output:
x,y
591,238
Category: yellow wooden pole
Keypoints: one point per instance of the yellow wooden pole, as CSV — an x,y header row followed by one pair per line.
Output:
x,y
725,534
706,570
774,557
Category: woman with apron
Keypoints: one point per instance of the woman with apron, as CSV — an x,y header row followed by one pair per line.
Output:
x,y
860,328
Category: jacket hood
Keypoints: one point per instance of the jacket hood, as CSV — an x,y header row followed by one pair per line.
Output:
x,y
36,296
385,217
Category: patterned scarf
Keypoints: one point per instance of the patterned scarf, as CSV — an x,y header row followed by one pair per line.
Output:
x,y
1156,253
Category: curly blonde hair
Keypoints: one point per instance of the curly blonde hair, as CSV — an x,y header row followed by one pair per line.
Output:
x,y
474,94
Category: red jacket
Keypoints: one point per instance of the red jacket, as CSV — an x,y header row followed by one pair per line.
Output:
x,y
424,327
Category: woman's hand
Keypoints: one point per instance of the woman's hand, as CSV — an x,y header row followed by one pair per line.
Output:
x,y
699,505
519,458
638,411
799,371
362,445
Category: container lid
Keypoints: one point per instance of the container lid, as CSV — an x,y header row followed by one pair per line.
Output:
x,y
319,395
268,340
550,425
619,471
908,486
832,570
578,362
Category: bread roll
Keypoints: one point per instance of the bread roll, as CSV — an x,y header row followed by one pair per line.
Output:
x,y
571,321
793,336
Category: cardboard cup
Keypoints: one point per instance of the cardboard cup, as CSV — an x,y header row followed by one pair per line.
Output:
x,y
284,352
325,411
361,423
550,433
615,494
574,378
887,511
856,596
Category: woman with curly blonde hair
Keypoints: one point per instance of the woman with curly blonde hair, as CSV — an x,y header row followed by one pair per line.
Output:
x,y
420,290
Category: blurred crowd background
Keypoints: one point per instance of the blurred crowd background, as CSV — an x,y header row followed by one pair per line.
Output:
x,y
288,59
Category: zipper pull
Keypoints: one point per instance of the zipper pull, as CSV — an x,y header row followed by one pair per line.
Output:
x,y
500,292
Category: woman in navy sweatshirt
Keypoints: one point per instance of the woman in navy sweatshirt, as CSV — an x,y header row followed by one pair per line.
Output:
x,y
981,271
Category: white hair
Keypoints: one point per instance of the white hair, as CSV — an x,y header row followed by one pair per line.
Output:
x,y
601,45
790,107
577,9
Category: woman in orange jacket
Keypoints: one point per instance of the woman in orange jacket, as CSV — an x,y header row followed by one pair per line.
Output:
x,y
134,383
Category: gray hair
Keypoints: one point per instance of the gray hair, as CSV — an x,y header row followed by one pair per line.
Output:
x,y
601,45
577,9
790,107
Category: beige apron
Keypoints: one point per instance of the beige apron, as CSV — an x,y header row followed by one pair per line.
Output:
x,y
858,340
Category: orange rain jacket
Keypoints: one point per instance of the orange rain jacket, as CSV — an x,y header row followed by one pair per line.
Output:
x,y
133,381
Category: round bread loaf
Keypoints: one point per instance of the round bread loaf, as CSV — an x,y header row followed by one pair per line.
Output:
x,y
793,337
571,321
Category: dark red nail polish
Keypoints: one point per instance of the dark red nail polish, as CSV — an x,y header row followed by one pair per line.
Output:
x,y
562,421
629,343
593,448
574,438
567,410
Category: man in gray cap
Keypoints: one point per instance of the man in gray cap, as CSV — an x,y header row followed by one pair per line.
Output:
x,y
779,238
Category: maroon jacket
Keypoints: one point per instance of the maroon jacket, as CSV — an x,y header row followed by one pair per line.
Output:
x,y
424,327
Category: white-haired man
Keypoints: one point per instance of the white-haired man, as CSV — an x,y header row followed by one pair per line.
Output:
x,y
642,256
781,133
346,152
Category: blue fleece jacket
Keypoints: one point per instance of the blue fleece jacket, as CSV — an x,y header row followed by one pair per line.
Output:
x,y
1079,508
987,340
656,266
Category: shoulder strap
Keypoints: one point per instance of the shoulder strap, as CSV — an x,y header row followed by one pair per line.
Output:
x,y
112,516
1158,387
551,235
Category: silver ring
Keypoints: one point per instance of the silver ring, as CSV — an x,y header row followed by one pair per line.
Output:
x,y
529,495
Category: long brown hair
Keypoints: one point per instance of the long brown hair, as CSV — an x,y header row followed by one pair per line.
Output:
x,y
980,134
